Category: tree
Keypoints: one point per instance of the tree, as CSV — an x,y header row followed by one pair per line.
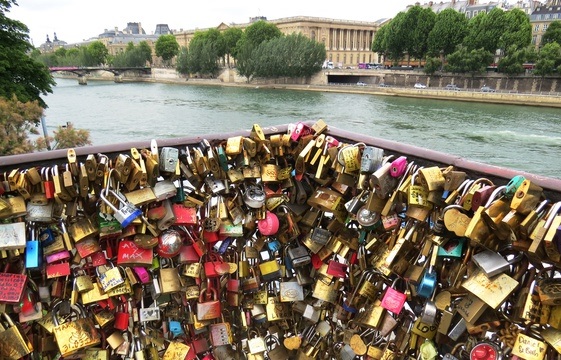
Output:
x,y
182,61
464,60
20,75
432,65
166,47
448,32
380,42
517,34
203,55
259,32
485,30
17,119
231,37
397,40
97,53
552,34
145,51
252,37
549,59
417,24
293,55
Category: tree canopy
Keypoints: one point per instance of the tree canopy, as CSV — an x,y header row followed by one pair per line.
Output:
x,y
20,75
166,47
448,32
552,34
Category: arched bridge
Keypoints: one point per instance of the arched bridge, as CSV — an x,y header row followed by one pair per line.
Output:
x,y
82,71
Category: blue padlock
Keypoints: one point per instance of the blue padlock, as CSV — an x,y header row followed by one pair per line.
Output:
x,y
513,185
428,283
175,328
33,252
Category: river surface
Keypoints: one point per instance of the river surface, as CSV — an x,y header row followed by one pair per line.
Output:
x,y
519,137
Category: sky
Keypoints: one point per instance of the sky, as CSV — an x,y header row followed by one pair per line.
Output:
x,y
75,21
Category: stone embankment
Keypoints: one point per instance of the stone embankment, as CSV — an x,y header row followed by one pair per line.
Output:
x,y
323,82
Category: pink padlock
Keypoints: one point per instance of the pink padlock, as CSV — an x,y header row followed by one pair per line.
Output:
x,y
142,274
269,225
398,166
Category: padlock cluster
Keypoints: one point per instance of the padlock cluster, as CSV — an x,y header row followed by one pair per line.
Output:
x,y
296,245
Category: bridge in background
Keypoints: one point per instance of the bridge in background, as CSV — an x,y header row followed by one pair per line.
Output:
x,y
82,71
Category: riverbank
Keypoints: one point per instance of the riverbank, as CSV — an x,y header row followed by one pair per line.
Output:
x,y
320,83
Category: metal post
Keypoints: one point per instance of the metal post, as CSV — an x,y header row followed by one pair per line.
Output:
x,y
45,134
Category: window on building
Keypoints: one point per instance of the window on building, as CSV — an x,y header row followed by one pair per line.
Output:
x,y
547,16
474,13
468,14
351,60
556,16
537,28
544,27
313,35
534,39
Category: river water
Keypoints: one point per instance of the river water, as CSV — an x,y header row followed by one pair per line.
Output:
x,y
519,137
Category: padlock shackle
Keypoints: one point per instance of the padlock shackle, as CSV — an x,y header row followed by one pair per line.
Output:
x,y
500,190
552,213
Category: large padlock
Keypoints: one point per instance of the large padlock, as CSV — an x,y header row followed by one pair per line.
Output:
x,y
110,278
13,345
210,308
74,336
126,214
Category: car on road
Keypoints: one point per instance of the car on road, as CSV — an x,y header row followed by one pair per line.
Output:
x,y
487,89
360,83
420,86
383,85
452,87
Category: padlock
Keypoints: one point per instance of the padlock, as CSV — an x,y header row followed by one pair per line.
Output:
x,y
211,308
492,263
74,336
109,279
168,159
394,299
14,345
126,213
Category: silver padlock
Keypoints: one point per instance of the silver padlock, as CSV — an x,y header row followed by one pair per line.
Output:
x,y
169,217
164,190
168,159
371,159
126,213
493,263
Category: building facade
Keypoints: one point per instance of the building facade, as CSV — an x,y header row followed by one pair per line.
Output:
x,y
347,42
541,17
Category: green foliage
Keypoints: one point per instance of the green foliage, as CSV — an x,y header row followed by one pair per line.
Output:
x,y
20,75
134,56
432,65
417,24
485,30
231,37
396,42
182,61
259,32
549,59
252,37
97,53
17,120
166,47
380,42
448,32
464,60
203,54
552,34
512,64
517,34
293,56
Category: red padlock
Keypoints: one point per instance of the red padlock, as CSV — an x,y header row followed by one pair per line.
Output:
x,y
48,185
269,225
337,269
122,318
